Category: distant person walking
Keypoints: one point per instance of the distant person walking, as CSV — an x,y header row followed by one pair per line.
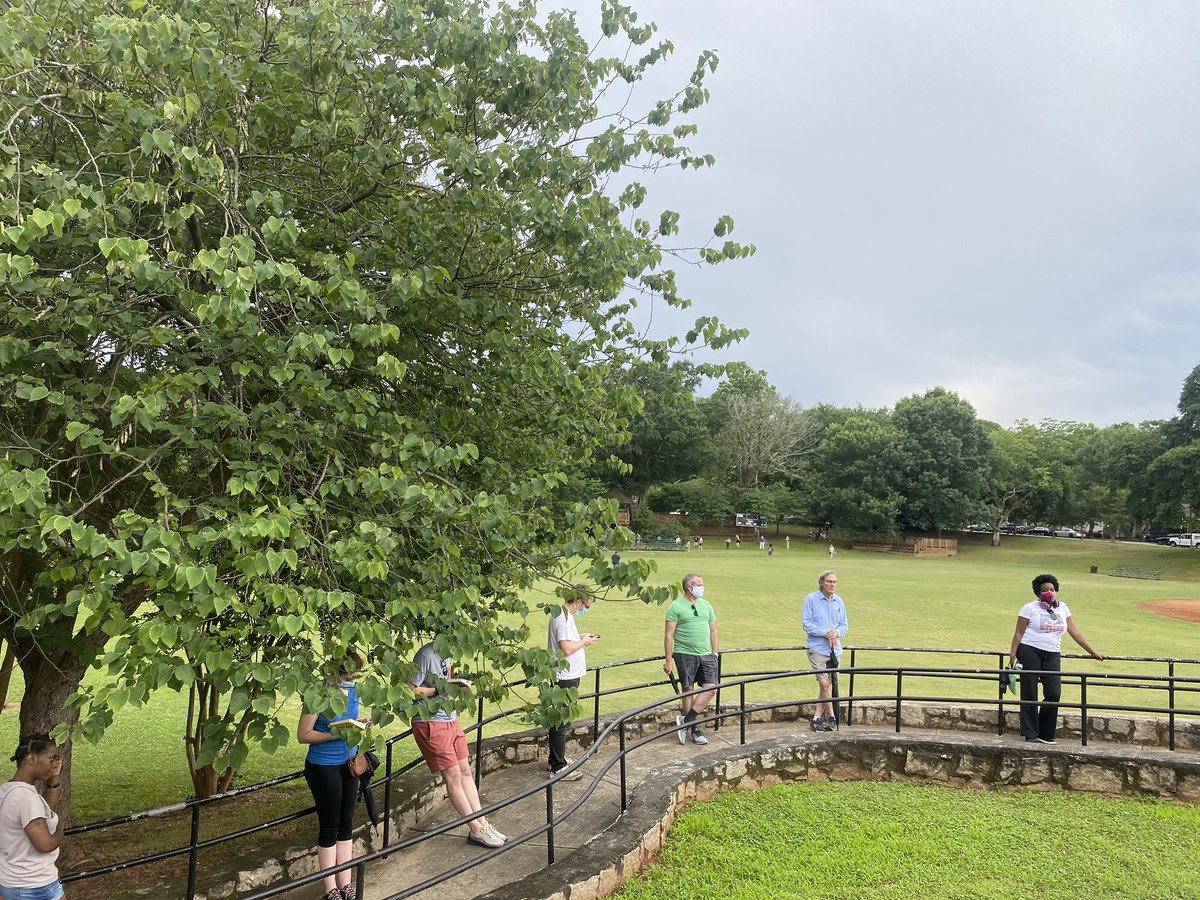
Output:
x,y
1037,646
832,550
738,539
787,542
825,623
726,543
30,831
691,645
762,541
770,549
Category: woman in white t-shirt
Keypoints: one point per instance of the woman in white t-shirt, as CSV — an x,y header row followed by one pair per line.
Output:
x,y
1037,645
30,833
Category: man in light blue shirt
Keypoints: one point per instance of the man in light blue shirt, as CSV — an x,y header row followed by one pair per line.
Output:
x,y
824,618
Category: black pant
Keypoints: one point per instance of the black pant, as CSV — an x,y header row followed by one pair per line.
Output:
x,y
1039,721
335,791
558,736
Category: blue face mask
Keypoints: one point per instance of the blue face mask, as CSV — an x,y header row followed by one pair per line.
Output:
x,y
698,591
581,611
345,685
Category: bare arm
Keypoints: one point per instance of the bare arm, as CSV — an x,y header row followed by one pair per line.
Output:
x,y
306,734
1022,624
669,648
712,636
568,646
1078,637
43,840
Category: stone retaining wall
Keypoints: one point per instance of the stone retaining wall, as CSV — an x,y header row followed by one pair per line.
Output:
x,y
599,867
417,792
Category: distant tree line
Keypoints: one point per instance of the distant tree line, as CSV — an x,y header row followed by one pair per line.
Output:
x,y
929,463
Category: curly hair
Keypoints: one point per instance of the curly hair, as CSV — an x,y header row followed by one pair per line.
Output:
x,y
1043,579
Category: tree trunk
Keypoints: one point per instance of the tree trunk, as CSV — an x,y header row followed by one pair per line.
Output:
x,y
50,680
6,670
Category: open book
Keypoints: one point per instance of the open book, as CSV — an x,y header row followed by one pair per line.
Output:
x,y
343,724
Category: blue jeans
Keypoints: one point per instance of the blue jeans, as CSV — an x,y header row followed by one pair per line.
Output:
x,y
52,891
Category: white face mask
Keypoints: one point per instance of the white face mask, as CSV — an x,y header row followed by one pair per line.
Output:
x,y
697,591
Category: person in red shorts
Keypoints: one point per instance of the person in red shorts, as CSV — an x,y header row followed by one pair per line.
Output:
x,y
444,747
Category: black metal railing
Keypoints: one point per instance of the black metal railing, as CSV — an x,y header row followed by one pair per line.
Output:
x,y
1172,685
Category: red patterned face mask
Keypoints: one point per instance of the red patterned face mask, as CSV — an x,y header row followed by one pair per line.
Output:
x,y
1047,600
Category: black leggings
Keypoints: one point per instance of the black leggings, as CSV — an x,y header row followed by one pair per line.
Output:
x,y
335,791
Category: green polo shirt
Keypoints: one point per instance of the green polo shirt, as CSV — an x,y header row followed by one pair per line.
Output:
x,y
691,626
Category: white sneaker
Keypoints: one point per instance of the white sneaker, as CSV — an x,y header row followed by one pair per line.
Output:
x,y
485,837
496,833
683,729
566,762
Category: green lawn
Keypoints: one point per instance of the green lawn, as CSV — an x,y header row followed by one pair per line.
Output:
x,y
894,841
968,601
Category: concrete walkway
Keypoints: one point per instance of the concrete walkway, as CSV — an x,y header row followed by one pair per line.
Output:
x,y
411,867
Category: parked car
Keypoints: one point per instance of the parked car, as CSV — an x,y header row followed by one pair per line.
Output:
x,y
1067,532
1039,530
1184,540
1165,539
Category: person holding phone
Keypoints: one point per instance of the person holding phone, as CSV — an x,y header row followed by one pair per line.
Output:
x,y
30,832
691,645
563,637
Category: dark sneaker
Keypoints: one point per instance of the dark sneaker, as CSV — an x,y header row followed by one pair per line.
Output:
x,y
830,723
683,732
1043,740
697,737
348,892
816,724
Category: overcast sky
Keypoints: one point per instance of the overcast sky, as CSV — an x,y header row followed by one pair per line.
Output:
x,y
996,197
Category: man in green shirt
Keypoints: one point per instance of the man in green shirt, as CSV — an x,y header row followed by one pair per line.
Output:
x,y
691,645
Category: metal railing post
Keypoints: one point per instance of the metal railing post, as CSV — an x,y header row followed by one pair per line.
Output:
x,y
596,711
387,796
550,823
850,699
1083,723
360,879
1171,706
899,685
1003,681
479,746
624,797
742,716
717,724
192,842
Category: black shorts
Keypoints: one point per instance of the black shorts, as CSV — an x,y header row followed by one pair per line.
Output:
x,y
689,666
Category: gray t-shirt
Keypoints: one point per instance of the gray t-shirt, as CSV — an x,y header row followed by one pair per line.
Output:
x,y
21,864
428,664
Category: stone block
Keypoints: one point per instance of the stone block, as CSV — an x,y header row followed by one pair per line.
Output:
x,y
1035,770
931,765
610,880
304,865
219,891
1157,780
250,880
735,769
1095,779
1145,732
1187,788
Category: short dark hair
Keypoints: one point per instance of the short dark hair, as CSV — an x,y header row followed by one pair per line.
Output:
x,y
1043,579
33,743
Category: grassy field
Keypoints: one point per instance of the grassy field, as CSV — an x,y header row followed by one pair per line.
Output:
x,y
968,601
880,841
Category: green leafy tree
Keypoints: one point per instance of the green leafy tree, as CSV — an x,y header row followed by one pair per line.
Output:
x,y
854,476
943,452
306,317
669,438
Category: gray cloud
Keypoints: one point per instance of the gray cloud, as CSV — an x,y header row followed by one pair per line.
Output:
x,y
996,197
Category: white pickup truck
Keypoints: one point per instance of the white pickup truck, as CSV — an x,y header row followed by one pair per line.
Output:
x,y
1184,540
